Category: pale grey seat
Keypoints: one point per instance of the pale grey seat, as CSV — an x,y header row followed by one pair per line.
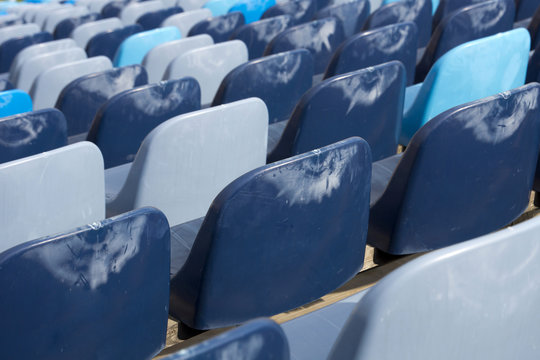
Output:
x,y
83,33
50,193
61,14
45,10
158,59
189,5
185,21
15,31
133,11
10,18
98,5
51,82
209,65
180,172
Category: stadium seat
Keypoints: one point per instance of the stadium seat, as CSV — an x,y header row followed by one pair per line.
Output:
x,y
57,16
83,33
220,28
191,5
108,42
154,19
17,31
352,14
252,9
258,34
134,10
10,48
185,21
525,8
219,7
65,27
300,11
14,102
446,7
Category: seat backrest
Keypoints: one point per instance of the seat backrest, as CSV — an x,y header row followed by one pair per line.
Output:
x,y
258,34
80,100
446,7
70,186
123,122
467,24
453,81
10,19
497,137
45,11
98,5
352,14
473,299
261,225
154,19
417,11
185,21
221,58
133,49
252,9
158,59
377,46
269,337
14,102
366,103
220,28
51,82
57,16
101,291
113,8
525,9
300,11
279,80
83,33
180,172
65,27
10,48
16,31
133,11
190,5
219,7
108,42
31,133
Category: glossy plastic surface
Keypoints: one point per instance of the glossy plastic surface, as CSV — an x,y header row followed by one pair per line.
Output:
x,y
209,65
185,21
352,14
417,11
14,102
441,293
31,133
453,81
279,80
16,31
134,48
180,172
190,5
219,7
377,46
220,28
312,242
107,43
80,100
113,9
477,183
320,37
83,33
57,16
65,27
300,11
525,8
446,7
252,9
467,24
89,285
10,48
134,10
366,103
154,19
123,121
70,185
258,34
260,339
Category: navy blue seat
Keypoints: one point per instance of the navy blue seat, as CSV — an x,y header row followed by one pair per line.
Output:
x,y
5,85
31,133
154,19
64,28
10,48
377,46
417,11
258,34
279,80
525,8
123,122
446,7
441,192
99,292
320,37
300,11
366,103
534,29
353,14
268,245
106,43
220,28
467,24
81,99
113,9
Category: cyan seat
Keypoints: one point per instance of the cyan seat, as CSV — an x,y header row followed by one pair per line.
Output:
x,y
252,9
65,27
154,19
320,37
70,186
133,49
377,46
31,133
83,33
134,10
258,34
220,28
185,21
57,16
417,11
219,7
353,14
10,48
279,80
158,59
366,103
467,24
17,31
221,58
101,291
14,102
50,83
80,100
453,81
300,11
108,42
497,137
237,260
180,172
123,122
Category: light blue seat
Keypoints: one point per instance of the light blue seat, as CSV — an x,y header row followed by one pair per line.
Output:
x,y
185,21
101,291
453,81
83,33
14,102
258,34
219,7
352,14
134,48
252,9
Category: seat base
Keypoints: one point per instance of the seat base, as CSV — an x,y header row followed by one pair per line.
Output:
x,y
182,239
